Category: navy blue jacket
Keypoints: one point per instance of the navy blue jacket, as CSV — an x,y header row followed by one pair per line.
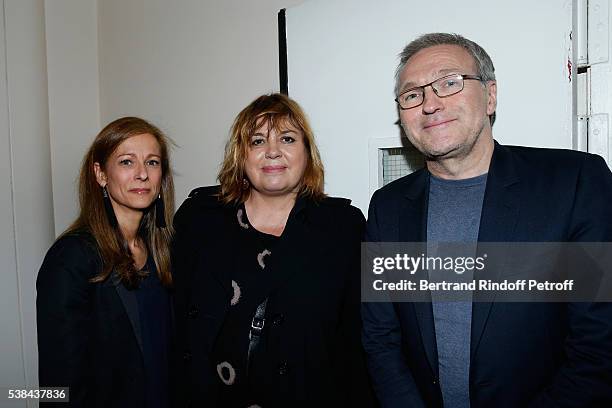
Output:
x,y
522,354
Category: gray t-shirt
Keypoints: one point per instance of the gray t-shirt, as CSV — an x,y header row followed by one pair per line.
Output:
x,y
454,216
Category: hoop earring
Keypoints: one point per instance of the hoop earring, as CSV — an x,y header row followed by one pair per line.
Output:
x,y
108,208
160,212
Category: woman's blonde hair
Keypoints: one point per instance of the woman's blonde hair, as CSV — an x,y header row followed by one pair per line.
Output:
x,y
277,111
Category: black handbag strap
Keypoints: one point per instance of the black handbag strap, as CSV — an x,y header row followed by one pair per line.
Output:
x,y
257,325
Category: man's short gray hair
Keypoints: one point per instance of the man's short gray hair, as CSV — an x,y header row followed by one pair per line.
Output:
x,y
484,65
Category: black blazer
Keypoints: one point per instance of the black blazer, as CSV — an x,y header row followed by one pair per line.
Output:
x,y
313,313
522,354
88,334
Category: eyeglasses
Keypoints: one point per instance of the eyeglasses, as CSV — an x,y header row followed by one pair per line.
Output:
x,y
443,87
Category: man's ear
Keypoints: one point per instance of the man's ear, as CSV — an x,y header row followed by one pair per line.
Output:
x,y
491,97
100,175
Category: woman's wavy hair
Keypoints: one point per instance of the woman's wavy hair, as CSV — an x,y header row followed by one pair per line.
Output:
x,y
113,248
277,111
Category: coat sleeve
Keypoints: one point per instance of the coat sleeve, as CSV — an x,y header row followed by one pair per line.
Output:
x,y
357,386
381,336
183,255
585,380
64,318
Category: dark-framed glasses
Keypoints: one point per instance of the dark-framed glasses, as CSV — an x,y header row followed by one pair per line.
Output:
x,y
446,86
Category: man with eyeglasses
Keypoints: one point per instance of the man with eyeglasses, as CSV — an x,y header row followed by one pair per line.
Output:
x,y
483,354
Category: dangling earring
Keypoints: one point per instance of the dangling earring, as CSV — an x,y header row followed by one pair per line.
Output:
x,y
108,207
245,184
160,212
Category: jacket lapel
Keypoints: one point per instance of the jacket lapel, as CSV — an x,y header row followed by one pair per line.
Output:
x,y
413,228
128,298
500,212
413,210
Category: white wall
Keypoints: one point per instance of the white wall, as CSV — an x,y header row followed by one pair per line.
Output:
x,y
189,67
74,108
11,352
26,204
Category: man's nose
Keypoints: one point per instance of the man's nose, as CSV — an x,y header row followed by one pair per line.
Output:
x,y
431,101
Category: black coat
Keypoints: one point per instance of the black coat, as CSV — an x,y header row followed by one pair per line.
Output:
x,y
88,334
522,354
313,313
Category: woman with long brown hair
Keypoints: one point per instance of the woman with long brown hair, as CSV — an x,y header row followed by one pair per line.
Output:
x,y
103,304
